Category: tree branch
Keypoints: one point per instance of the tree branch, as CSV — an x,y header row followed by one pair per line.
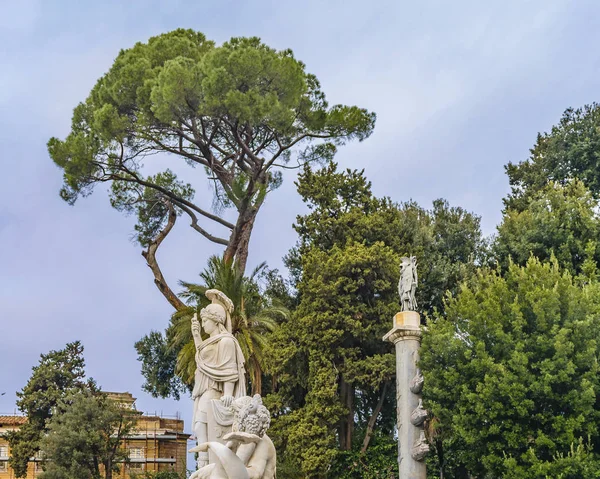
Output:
x,y
286,167
240,142
189,156
373,418
150,256
292,143
268,139
136,179
200,230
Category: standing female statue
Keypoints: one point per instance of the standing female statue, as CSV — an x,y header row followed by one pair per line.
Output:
x,y
220,374
407,286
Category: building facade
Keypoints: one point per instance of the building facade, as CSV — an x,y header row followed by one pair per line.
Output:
x,y
12,423
155,444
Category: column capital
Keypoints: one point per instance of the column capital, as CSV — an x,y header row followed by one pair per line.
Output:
x,y
407,325
403,333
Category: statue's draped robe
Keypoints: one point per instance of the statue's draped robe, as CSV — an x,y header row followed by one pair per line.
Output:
x,y
219,360
406,281
406,287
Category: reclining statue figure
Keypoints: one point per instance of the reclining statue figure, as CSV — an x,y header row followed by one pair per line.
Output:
x,y
248,453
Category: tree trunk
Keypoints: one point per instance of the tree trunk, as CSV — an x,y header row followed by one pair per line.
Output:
x,y
150,256
239,241
240,238
373,418
440,454
241,253
346,428
96,468
108,473
256,378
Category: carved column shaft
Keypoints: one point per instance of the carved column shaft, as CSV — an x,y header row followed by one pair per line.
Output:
x,y
406,336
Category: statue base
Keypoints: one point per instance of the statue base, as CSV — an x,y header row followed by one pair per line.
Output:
x,y
407,319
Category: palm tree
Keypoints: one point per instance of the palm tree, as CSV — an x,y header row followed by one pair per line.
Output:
x,y
253,317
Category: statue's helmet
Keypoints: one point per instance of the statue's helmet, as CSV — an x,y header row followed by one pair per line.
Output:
x,y
214,312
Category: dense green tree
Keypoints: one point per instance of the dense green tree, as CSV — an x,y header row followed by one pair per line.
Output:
x,y
455,252
571,150
333,375
159,364
511,374
239,112
58,374
447,240
168,361
560,221
379,461
84,439
348,300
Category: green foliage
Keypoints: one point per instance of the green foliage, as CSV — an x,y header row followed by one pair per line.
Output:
x,y
58,374
85,438
559,221
379,461
157,475
168,361
453,255
148,202
238,111
447,240
511,371
571,150
578,463
158,366
338,328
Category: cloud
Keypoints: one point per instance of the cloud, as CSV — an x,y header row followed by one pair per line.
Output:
x,y
460,89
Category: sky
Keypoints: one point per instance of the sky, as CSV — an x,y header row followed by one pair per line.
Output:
x,y
460,89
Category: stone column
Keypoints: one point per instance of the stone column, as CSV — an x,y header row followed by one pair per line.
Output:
x,y
406,336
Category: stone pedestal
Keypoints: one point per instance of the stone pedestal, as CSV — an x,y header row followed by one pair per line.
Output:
x,y
406,336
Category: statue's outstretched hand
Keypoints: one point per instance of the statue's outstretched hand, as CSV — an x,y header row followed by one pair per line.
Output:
x,y
203,473
242,437
202,447
227,400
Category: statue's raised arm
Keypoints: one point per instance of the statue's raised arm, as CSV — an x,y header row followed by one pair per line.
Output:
x,y
196,331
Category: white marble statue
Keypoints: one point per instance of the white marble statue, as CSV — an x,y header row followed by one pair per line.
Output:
x,y
249,452
220,377
407,286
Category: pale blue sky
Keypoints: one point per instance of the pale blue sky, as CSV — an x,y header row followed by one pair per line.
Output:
x,y
460,88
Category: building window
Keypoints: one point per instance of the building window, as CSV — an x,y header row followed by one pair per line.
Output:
x,y
3,466
38,468
3,451
136,466
136,453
